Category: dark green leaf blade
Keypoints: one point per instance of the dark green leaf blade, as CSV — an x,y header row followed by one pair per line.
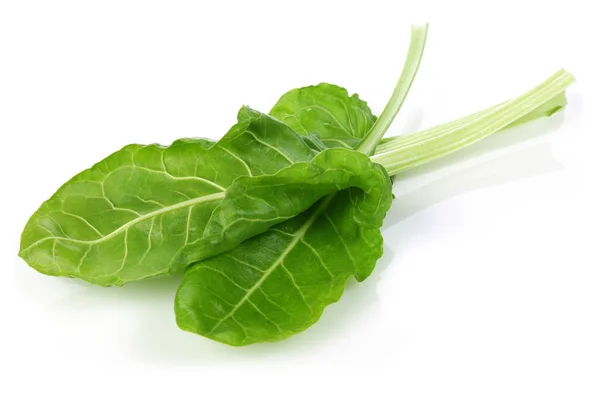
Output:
x,y
131,214
277,284
254,204
339,119
148,211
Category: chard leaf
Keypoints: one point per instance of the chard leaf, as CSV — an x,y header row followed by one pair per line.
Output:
x,y
278,283
339,119
147,211
254,204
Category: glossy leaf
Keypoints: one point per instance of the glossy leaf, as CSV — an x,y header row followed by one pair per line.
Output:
x,y
148,210
254,204
277,284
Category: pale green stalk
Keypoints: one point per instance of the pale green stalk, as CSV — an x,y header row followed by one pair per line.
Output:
x,y
411,66
446,139
395,142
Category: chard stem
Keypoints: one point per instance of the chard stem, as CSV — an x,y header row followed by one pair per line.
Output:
x,y
395,142
411,66
405,153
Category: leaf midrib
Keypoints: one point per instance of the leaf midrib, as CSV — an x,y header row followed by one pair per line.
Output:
x,y
297,237
124,227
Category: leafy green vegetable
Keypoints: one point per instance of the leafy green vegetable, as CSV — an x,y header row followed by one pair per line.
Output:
x,y
149,210
274,218
278,283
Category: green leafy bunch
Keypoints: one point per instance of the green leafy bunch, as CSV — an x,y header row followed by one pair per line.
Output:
x,y
270,221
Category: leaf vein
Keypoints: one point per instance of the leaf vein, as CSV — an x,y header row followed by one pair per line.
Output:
x,y
124,227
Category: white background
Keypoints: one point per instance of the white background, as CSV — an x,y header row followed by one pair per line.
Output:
x,y
490,285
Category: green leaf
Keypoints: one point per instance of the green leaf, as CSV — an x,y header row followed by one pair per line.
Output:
x,y
277,284
254,204
147,211
339,119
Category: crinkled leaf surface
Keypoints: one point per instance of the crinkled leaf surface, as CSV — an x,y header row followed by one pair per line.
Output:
x,y
148,210
277,283
254,204
339,119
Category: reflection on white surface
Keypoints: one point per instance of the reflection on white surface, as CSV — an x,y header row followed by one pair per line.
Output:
x,y
532,161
